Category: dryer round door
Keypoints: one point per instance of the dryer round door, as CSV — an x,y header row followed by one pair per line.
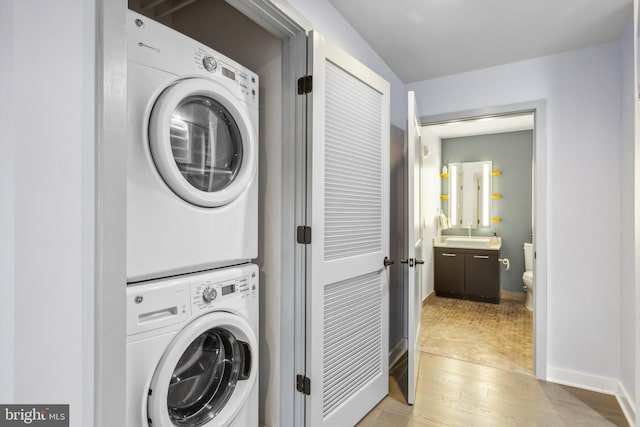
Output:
x,y
206,374
202,142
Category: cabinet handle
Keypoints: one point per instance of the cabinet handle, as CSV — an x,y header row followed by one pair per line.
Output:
x,y
387,262
481,256
445,254
404,261
419,261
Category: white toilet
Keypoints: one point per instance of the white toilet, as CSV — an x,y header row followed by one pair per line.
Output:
x,y
527,277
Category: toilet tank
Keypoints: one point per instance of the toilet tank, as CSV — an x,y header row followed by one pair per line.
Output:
x,y
528,256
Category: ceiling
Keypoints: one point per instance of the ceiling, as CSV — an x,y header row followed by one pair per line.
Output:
x,y
483,126
424,39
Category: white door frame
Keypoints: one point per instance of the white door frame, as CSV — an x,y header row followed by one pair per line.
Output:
x,y
277,17
539,108
110,213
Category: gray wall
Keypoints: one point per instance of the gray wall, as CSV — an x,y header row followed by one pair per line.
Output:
x,y
511,153
431,204
397,316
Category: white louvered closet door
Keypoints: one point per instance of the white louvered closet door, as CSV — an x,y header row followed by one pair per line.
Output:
x,y
347,283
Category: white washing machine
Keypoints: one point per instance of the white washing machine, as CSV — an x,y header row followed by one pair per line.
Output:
x,y
192,155
192,350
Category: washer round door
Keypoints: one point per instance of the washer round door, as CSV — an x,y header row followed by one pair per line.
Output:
x,y
202,142
206,374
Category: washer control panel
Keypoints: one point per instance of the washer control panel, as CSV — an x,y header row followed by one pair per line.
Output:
x,y
207,293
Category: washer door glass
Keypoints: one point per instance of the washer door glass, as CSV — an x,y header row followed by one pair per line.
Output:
x,y
206,143
206,376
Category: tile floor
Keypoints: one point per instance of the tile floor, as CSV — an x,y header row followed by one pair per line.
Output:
x,y
498,335
491,385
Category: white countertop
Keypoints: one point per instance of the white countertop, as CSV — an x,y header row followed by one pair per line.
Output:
x,y
464,242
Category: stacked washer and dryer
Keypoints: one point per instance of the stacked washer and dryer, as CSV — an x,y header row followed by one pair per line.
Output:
x,y
192,206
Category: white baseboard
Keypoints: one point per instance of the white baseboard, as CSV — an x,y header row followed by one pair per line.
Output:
x,y
598,384
396,353
512,296
431,295
582,380
627,404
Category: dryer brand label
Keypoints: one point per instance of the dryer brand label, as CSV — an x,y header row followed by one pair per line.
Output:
x,y
148,47
34,415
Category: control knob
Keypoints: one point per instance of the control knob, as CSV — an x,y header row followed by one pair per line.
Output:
x,y
209,63
209,294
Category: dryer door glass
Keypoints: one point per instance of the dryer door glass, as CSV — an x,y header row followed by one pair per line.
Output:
x,y
205,377
206,143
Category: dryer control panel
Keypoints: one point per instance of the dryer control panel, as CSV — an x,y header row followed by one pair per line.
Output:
x,y
157,46
243,82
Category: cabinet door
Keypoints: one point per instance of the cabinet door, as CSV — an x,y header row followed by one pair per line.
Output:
x,y
482,277
449,273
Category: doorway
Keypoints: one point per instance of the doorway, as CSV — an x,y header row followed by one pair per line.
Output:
x,y
289,164
286,43
223,28
478,122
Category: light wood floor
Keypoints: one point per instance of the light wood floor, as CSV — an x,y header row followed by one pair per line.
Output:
x,y
454,392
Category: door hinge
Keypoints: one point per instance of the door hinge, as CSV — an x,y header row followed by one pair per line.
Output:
x,y
304,235
303,384
305,84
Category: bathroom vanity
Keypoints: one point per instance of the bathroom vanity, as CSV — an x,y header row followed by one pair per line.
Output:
x,y
467,268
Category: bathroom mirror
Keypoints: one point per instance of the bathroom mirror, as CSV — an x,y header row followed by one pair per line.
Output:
x,y
470,194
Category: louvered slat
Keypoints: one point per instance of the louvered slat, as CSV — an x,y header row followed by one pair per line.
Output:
x,y
351,344
353,172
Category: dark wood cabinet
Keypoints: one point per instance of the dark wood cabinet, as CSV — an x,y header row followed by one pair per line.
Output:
x,y
467,273
482,276
449,273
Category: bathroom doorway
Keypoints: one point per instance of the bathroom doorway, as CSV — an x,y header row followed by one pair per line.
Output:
x,y
504,335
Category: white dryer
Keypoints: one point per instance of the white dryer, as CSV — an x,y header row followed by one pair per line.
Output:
x,y
192,350
192,155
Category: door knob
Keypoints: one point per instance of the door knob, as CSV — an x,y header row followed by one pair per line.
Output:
x,y
419,261
387,262
404,261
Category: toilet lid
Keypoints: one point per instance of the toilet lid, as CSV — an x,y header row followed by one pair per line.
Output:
x,y
528,275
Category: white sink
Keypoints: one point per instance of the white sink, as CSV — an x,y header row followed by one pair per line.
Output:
x,y
467,242
483,242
